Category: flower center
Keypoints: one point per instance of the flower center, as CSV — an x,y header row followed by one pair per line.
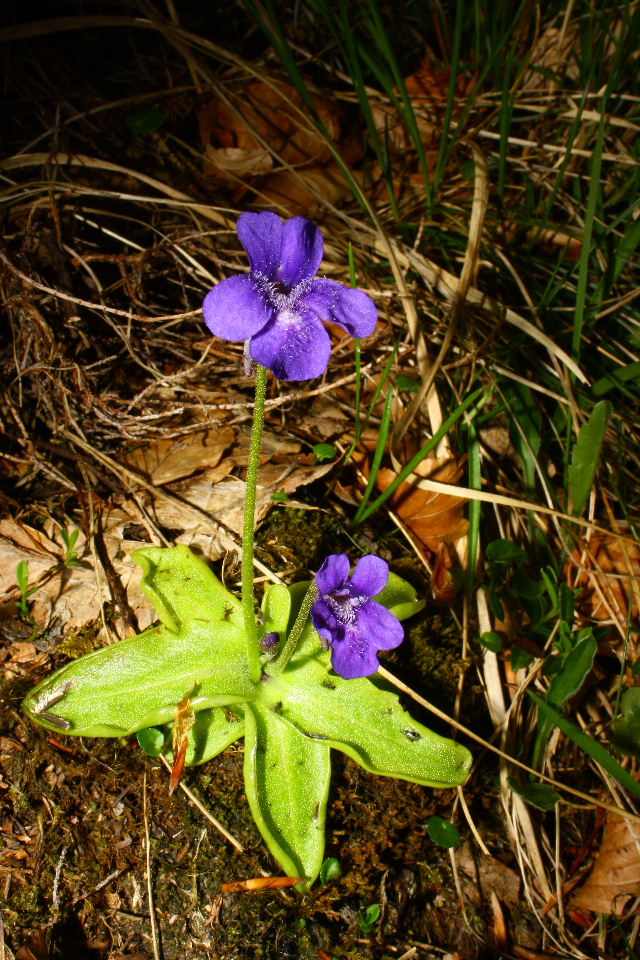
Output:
x,y
344,605
281,296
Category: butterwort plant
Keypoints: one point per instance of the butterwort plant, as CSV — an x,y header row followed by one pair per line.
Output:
x,y
298,678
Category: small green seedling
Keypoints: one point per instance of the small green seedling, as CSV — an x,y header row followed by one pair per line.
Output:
x,y
324,451
329,870
69,539
22,579
443,832
368,917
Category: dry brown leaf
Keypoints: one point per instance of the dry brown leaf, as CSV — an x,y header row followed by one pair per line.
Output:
x,y
183,722
615,877
271,113
24,542
35,947
224,501
500,928
428,89
554,52
433,518
550,240
444,584
608,570
267,140
489,876
302,194
325,420
75,597
163,461
258,884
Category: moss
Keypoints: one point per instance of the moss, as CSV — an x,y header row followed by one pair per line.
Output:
x,y
27,906
302,538
77,643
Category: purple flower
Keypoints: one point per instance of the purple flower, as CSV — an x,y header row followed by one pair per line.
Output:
x,y
280,306
349,620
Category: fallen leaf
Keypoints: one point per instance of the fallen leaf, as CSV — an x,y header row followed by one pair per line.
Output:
x,y
553,58
302,194
433,518
615,877
266,137
607,568
489,876
500,929
268,119
73,598
19,541
164,461
35,947
183,722
256,884
428,90
444,584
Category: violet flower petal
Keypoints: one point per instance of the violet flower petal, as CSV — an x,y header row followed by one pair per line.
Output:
x,y
381,628
346,616
370,576
280,306
353,657
323,616
354,650
333,573
236,309
261,236
293,349
301,253
351,308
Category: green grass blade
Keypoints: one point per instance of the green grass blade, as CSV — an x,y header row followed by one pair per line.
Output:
x,y
593,202
420,456
590,746
377,458
586,455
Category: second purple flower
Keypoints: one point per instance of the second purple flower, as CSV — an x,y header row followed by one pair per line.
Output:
x,y
281,305
347,617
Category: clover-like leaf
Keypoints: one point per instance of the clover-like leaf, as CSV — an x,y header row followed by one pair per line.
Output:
x,y
365,721
138,682
287,782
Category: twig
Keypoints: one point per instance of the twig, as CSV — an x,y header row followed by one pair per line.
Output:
x,y
152,916
56,880
203,810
